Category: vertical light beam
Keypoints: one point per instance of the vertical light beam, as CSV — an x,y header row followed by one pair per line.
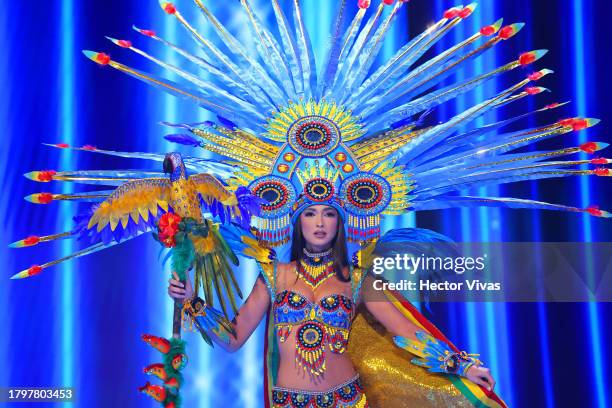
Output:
x,y
580,65
67,131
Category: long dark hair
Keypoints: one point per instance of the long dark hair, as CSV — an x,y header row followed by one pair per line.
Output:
x,y
339,251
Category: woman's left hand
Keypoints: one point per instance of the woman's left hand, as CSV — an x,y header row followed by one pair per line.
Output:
x,y
481,376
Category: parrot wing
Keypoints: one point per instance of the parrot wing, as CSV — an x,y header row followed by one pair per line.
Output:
x,y
223,204
134,206
128,211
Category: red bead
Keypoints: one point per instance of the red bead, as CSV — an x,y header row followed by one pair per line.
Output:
x,y
552,105
62,145
601,171
599,160
388,2
89,147
149,33
364,4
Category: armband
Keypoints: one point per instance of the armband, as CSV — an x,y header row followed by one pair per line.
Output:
x,y
436,355
207,320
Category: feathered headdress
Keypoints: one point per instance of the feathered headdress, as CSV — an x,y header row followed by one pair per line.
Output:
x,y
348,133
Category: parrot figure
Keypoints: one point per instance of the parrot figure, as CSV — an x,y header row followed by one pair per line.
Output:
x,y
139,203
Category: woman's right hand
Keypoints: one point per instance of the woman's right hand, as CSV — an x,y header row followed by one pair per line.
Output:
x,y
177,290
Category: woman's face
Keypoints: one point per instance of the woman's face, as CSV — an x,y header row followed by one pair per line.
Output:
x,y
319,226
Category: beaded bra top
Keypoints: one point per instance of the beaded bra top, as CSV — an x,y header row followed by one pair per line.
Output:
x,y
320,326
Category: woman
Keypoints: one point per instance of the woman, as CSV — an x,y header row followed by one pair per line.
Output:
x,y
313,296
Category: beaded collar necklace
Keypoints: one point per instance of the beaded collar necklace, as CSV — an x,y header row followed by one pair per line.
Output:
x,y
316,267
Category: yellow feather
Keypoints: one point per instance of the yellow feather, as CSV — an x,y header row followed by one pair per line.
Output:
x,y
153,208
163,204
124,220
93,220
144,212
103,223
114,221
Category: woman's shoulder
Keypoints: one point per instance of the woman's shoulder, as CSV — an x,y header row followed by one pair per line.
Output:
x,y
284,270
284,267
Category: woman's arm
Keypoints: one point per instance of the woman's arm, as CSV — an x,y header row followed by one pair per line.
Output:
x,y
396,323
386,314
246,320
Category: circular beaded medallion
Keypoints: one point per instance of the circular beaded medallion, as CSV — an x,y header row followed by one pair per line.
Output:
x,y
310,335
319,189
365,193
278,193
313,136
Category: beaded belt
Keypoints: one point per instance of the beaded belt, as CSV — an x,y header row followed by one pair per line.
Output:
x,y
349,394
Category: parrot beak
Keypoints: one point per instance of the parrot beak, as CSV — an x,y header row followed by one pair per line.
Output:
x,y
168,166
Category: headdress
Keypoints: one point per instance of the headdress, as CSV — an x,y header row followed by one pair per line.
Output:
x,y
351,134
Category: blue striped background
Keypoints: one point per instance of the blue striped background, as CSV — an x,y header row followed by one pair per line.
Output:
x,y
79,324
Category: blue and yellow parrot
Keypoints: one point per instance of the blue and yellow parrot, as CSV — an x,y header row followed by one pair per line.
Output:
x,y
138,202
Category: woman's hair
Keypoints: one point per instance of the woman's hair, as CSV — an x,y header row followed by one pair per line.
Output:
x,y
339,251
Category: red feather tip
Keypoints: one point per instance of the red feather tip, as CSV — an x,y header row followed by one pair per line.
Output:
x,y
452,12
102,58
89,147
552,105
363,4
148,33
594,210
527,58
465,12
124,43
388,2
31,240
169,8
566,122
599,160
535,76
506,32
589,147
34,270
487,30
580,124
45,175
602,171
45,198
534,90
62,145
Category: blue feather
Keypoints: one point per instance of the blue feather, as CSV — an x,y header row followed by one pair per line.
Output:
x,y
183,139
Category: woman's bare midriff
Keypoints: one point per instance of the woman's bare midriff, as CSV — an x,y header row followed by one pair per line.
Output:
x,y
338,367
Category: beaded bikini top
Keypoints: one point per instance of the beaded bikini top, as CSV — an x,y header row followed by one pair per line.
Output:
x,y
321,325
